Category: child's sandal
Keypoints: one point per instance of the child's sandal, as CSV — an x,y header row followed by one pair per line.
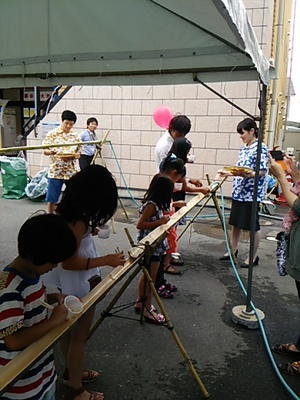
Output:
x,y
157,319
88,376
170,287
137,309
163,292
73,393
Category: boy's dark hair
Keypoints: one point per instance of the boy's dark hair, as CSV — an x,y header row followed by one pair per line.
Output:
x,y
160,192
90,196
46,238
90,120
181,124
247,124
171,163
181,147
68,115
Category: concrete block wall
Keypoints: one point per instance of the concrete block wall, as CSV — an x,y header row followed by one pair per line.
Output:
x,y
128,113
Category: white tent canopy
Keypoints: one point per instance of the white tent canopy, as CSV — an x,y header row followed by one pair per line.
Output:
x,y
126,42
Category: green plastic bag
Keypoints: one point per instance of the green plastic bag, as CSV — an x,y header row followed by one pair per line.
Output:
x,y
14,177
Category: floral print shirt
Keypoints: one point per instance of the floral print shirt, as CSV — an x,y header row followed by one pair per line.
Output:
x,y
62,168
243,188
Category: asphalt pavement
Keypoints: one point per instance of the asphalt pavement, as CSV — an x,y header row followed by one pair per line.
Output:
x,y
142,362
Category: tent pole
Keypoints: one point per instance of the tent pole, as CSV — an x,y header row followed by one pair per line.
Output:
x,y
245,315
254,203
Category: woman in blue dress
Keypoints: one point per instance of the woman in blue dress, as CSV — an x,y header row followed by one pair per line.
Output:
x,y
243,188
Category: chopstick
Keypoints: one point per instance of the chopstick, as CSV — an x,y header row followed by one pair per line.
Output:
x,y
117,250
46,305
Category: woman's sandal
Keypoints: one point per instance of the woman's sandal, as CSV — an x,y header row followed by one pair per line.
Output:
x,y
291,368
73,393
285,349
88,375
171,270
157,319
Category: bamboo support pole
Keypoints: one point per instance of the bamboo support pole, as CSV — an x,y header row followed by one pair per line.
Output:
x,y
217,206
113,301
200,209
99,153
99,148
129,237
174,334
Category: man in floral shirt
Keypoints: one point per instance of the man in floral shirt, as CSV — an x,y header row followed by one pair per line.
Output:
x,y
63,160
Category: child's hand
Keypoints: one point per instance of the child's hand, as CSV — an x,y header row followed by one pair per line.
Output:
x,y
204,190
179,203
163,220
56,298
114,260
196,182
59,314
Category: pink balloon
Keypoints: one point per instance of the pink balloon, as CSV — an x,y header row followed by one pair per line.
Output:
x,y
162,116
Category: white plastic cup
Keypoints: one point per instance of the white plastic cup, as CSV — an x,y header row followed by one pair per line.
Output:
x,y
177,186
191,158
104,232
73,305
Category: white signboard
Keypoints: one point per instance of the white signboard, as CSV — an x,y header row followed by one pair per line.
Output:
x,y
47,127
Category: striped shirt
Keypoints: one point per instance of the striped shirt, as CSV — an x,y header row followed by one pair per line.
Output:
x,y
19,308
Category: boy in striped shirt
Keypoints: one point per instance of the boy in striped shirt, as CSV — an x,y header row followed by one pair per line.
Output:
x,y
43,241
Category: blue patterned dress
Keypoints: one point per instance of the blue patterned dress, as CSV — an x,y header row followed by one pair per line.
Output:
x,y
161,250
243,188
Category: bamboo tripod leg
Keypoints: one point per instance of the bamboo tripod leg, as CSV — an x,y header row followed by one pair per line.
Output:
x,y
194,217
129,237
119,198
99,153
114,301
123,208
174,334
99,148
217,206
145,266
